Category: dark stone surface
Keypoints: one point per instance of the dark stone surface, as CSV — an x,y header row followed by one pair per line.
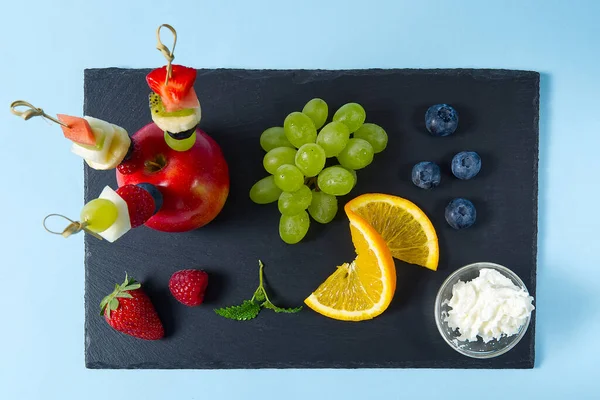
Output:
x,y
498,119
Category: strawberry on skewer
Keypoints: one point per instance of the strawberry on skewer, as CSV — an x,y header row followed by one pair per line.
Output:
x,y
114,213
140,204
135,205
174,105
178,93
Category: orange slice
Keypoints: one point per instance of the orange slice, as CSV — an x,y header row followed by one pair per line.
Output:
x,y
364,288
405,228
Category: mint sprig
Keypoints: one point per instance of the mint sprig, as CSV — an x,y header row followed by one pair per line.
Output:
x,y
250,308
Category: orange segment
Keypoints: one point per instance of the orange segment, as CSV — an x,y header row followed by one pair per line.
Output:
x,y
364,288
405,228
79,130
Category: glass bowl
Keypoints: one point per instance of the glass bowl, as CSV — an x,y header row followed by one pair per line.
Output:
x,y
477,349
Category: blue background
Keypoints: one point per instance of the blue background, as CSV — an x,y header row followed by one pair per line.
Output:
x,y
46,46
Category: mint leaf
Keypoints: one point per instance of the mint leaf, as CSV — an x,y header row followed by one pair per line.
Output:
x,y
245,311
271,306
250,308
259,295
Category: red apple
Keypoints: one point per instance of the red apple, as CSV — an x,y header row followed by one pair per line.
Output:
x,y
194,183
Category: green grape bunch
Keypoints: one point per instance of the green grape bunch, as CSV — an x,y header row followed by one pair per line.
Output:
x,y
296,160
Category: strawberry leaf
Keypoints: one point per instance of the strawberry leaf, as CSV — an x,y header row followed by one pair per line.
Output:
x,y
131,286
111,302
103,304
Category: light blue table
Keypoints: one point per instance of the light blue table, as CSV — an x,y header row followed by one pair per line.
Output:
x,y
46,46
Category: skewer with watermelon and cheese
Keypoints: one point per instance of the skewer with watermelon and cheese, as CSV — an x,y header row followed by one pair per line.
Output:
x,y
101,144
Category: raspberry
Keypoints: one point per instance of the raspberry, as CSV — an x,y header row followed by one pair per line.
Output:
x,y
188,286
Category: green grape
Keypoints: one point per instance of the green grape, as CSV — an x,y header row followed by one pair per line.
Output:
x,y
336,181
277,157
265,191
180,145
293,228
273,138
373,134
99,214
357,154
289,178
317,111
291,203
310,159
333,138
352,115
323,207
299,129
353,172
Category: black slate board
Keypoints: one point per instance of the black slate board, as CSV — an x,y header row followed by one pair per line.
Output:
x,y
498,118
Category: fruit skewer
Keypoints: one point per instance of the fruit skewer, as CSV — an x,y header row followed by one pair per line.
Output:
x,y
174,108
101,144
114,213
174,154
182,163
173,102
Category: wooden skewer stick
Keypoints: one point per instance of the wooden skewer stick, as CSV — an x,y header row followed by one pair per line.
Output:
x,y
72,228
168,54
31,111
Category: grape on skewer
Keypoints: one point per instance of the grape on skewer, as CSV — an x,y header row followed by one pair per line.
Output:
x,y
114,213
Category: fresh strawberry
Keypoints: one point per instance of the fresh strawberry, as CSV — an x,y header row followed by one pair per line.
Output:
x,y
129,310
180,83
140,204
189,101
188,286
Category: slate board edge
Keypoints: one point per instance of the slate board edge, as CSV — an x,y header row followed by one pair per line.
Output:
x,y
536,128
466,363
89,73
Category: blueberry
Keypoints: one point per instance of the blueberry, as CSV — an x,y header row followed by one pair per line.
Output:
x,y
460,213
441,120
182,135
426,175
155,193
466,164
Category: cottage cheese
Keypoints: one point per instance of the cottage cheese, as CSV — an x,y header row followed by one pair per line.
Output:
x,y
489,306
